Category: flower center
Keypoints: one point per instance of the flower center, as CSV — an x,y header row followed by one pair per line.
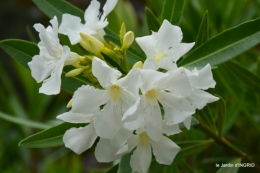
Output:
x,y
151,94
143,138
159,55
115,92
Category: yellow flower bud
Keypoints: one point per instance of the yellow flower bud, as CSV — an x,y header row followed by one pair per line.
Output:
x,y
69,104
74,72
138,64
128,40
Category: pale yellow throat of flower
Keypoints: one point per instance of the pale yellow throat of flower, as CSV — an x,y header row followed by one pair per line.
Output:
x,y
115,92
159,55
144,138
152,95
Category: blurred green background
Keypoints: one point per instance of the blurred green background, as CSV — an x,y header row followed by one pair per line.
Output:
x,y
20,100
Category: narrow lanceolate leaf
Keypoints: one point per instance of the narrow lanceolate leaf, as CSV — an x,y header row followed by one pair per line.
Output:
x,y
51,137
224,46
58,7
248,78
230,169
152,21
23,122
203,34
23,51
172,11
187,148
221,106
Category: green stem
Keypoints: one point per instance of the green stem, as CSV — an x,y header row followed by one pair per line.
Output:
x,y
123,62
222,141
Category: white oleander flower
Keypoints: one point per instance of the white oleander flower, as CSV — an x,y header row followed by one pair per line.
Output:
x,y
170,91
164,150
116,97
163,48
82,138
51,60
200,80
95,22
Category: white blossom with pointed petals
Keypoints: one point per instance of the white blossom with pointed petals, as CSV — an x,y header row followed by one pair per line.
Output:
x,y
117,96
164,150
170,90
95,22
163,48
200,80
51,60
82,138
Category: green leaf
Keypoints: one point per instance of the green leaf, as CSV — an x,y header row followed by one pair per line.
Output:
x,y
113,169
23,51
203,34
224,46
248,78
231,169
171,168
187,148
51,137
221,106
152,21
23,122
58,7
124,165
172,11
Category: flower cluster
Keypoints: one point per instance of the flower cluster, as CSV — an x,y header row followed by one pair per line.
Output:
x,y
132,111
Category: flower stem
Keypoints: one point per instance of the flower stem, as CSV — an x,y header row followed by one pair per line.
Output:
x,y
225,143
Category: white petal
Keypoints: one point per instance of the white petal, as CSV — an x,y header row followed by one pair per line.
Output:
x,y
187,122
54,23
121,137
136,124
52,84
204,79
153,122
80,139
92,12
185,47
170,130
165,150
72,59
40,69
131,143
150,64
200,98
133,112
176,108
87,99
76,117
147,44
177,82
69,21
167,64
131,81
109,122
105,152
168,35
108,7
141,158
151,79
105,74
